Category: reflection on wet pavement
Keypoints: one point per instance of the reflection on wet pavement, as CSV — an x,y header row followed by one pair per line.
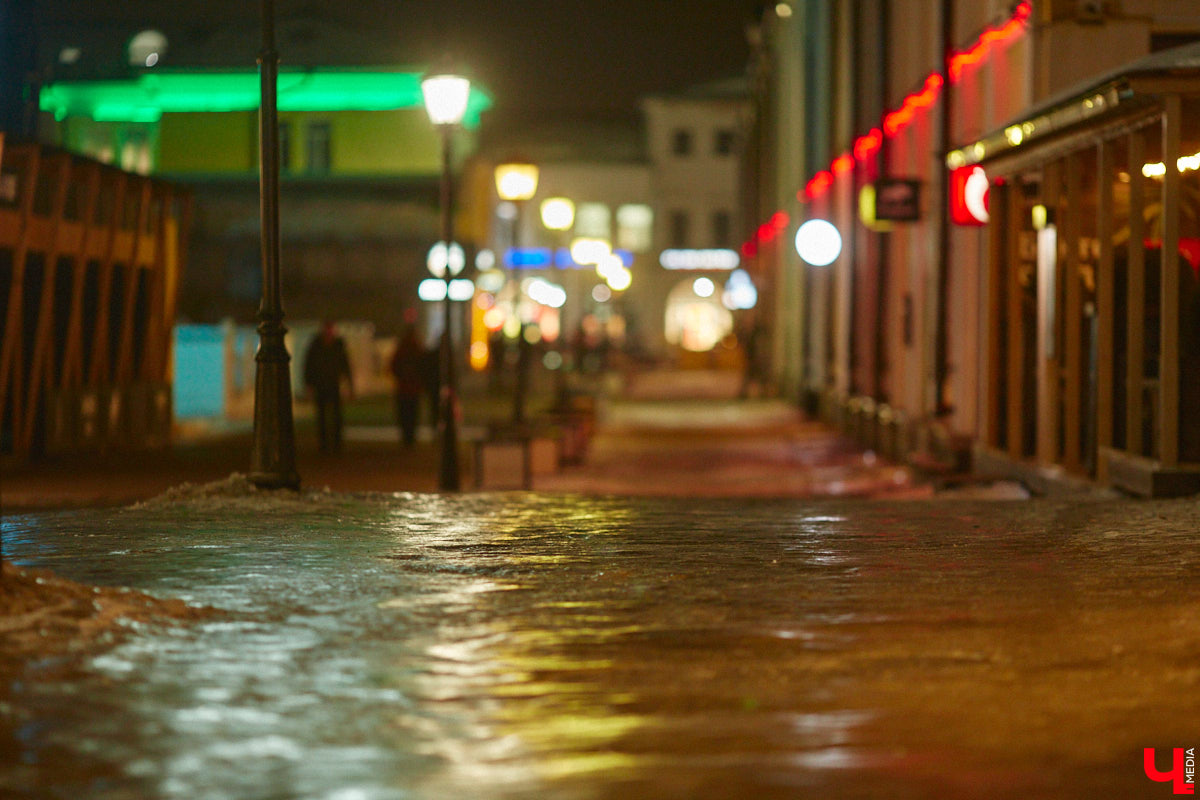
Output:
x,y
497,646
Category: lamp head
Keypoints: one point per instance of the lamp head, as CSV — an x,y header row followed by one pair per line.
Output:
x,y
516,180
445,95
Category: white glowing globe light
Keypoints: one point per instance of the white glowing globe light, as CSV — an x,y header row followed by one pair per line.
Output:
x,y
546,293
601,293
485,259
437,260
590,251
818,242
739,293
432,290
703,287
609,265
445,98
619,279
461,289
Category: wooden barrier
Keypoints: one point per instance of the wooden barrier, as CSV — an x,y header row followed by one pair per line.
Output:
x,y
90,259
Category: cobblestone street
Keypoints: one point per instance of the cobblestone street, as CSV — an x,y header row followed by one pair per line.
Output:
x,y
580,644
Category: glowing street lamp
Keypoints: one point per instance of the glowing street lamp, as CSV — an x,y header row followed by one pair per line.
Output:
x,y
558,213
516,182
445,98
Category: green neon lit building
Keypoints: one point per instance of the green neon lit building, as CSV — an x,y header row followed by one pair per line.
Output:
x,y
335,121
360,165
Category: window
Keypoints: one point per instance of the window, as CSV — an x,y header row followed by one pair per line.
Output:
x,y
285,146
679,229
317,147
634,228
593,220
721,229
723,142
681,142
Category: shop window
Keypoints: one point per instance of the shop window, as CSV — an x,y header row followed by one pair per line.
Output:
x,y
696,320
593,220
317,148
635,225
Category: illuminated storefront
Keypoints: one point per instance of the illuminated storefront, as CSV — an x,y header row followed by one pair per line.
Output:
x,y
1093,280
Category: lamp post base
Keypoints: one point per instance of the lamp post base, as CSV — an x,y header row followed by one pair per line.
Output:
x,y
448,473
273,459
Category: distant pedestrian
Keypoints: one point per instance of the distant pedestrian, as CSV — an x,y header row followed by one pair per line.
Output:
x,y
326,365
752,351
408,374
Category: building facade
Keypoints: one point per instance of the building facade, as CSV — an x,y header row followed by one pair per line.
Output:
x,y
902,337
359,165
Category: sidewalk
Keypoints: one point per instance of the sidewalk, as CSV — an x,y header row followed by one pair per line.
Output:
x,y
668,434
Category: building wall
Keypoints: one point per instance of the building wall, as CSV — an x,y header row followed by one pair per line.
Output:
x,y
208,143
698,184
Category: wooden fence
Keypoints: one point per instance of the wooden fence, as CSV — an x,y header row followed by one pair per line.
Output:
x,y
90,260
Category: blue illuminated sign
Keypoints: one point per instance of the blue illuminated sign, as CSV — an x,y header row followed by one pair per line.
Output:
x,y
539,258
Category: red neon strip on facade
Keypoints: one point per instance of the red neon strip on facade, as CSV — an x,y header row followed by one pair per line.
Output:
x,y
896,121
866,146
819,185
843,163
992,36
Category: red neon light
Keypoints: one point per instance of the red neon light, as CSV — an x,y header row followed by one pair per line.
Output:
x,y
779,220
897,120
819,185
992,36
868,145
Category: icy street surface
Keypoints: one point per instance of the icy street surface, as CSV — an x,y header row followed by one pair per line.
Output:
x,y
516,645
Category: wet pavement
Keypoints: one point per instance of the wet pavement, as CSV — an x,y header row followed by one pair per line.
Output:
x,y
561,646
725,447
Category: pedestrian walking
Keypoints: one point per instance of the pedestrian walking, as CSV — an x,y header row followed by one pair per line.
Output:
x,y
408,374
326,365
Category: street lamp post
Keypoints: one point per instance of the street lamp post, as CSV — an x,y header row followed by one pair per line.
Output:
x,y
516,182
558,216
273,458
446,98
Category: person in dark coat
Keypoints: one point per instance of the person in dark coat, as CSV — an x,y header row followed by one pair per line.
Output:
x,y
326,365
408,373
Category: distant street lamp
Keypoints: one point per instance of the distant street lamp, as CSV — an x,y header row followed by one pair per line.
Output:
x,y
446,98
273,454
558,214
516,182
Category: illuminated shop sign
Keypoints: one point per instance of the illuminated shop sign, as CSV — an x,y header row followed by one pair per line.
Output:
x,y
544,258
897,200
699,259
969,196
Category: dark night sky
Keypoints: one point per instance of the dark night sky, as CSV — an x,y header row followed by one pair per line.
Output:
x,y
580,57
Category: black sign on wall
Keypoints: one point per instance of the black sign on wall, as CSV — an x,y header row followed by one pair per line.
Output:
x,y
897,200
